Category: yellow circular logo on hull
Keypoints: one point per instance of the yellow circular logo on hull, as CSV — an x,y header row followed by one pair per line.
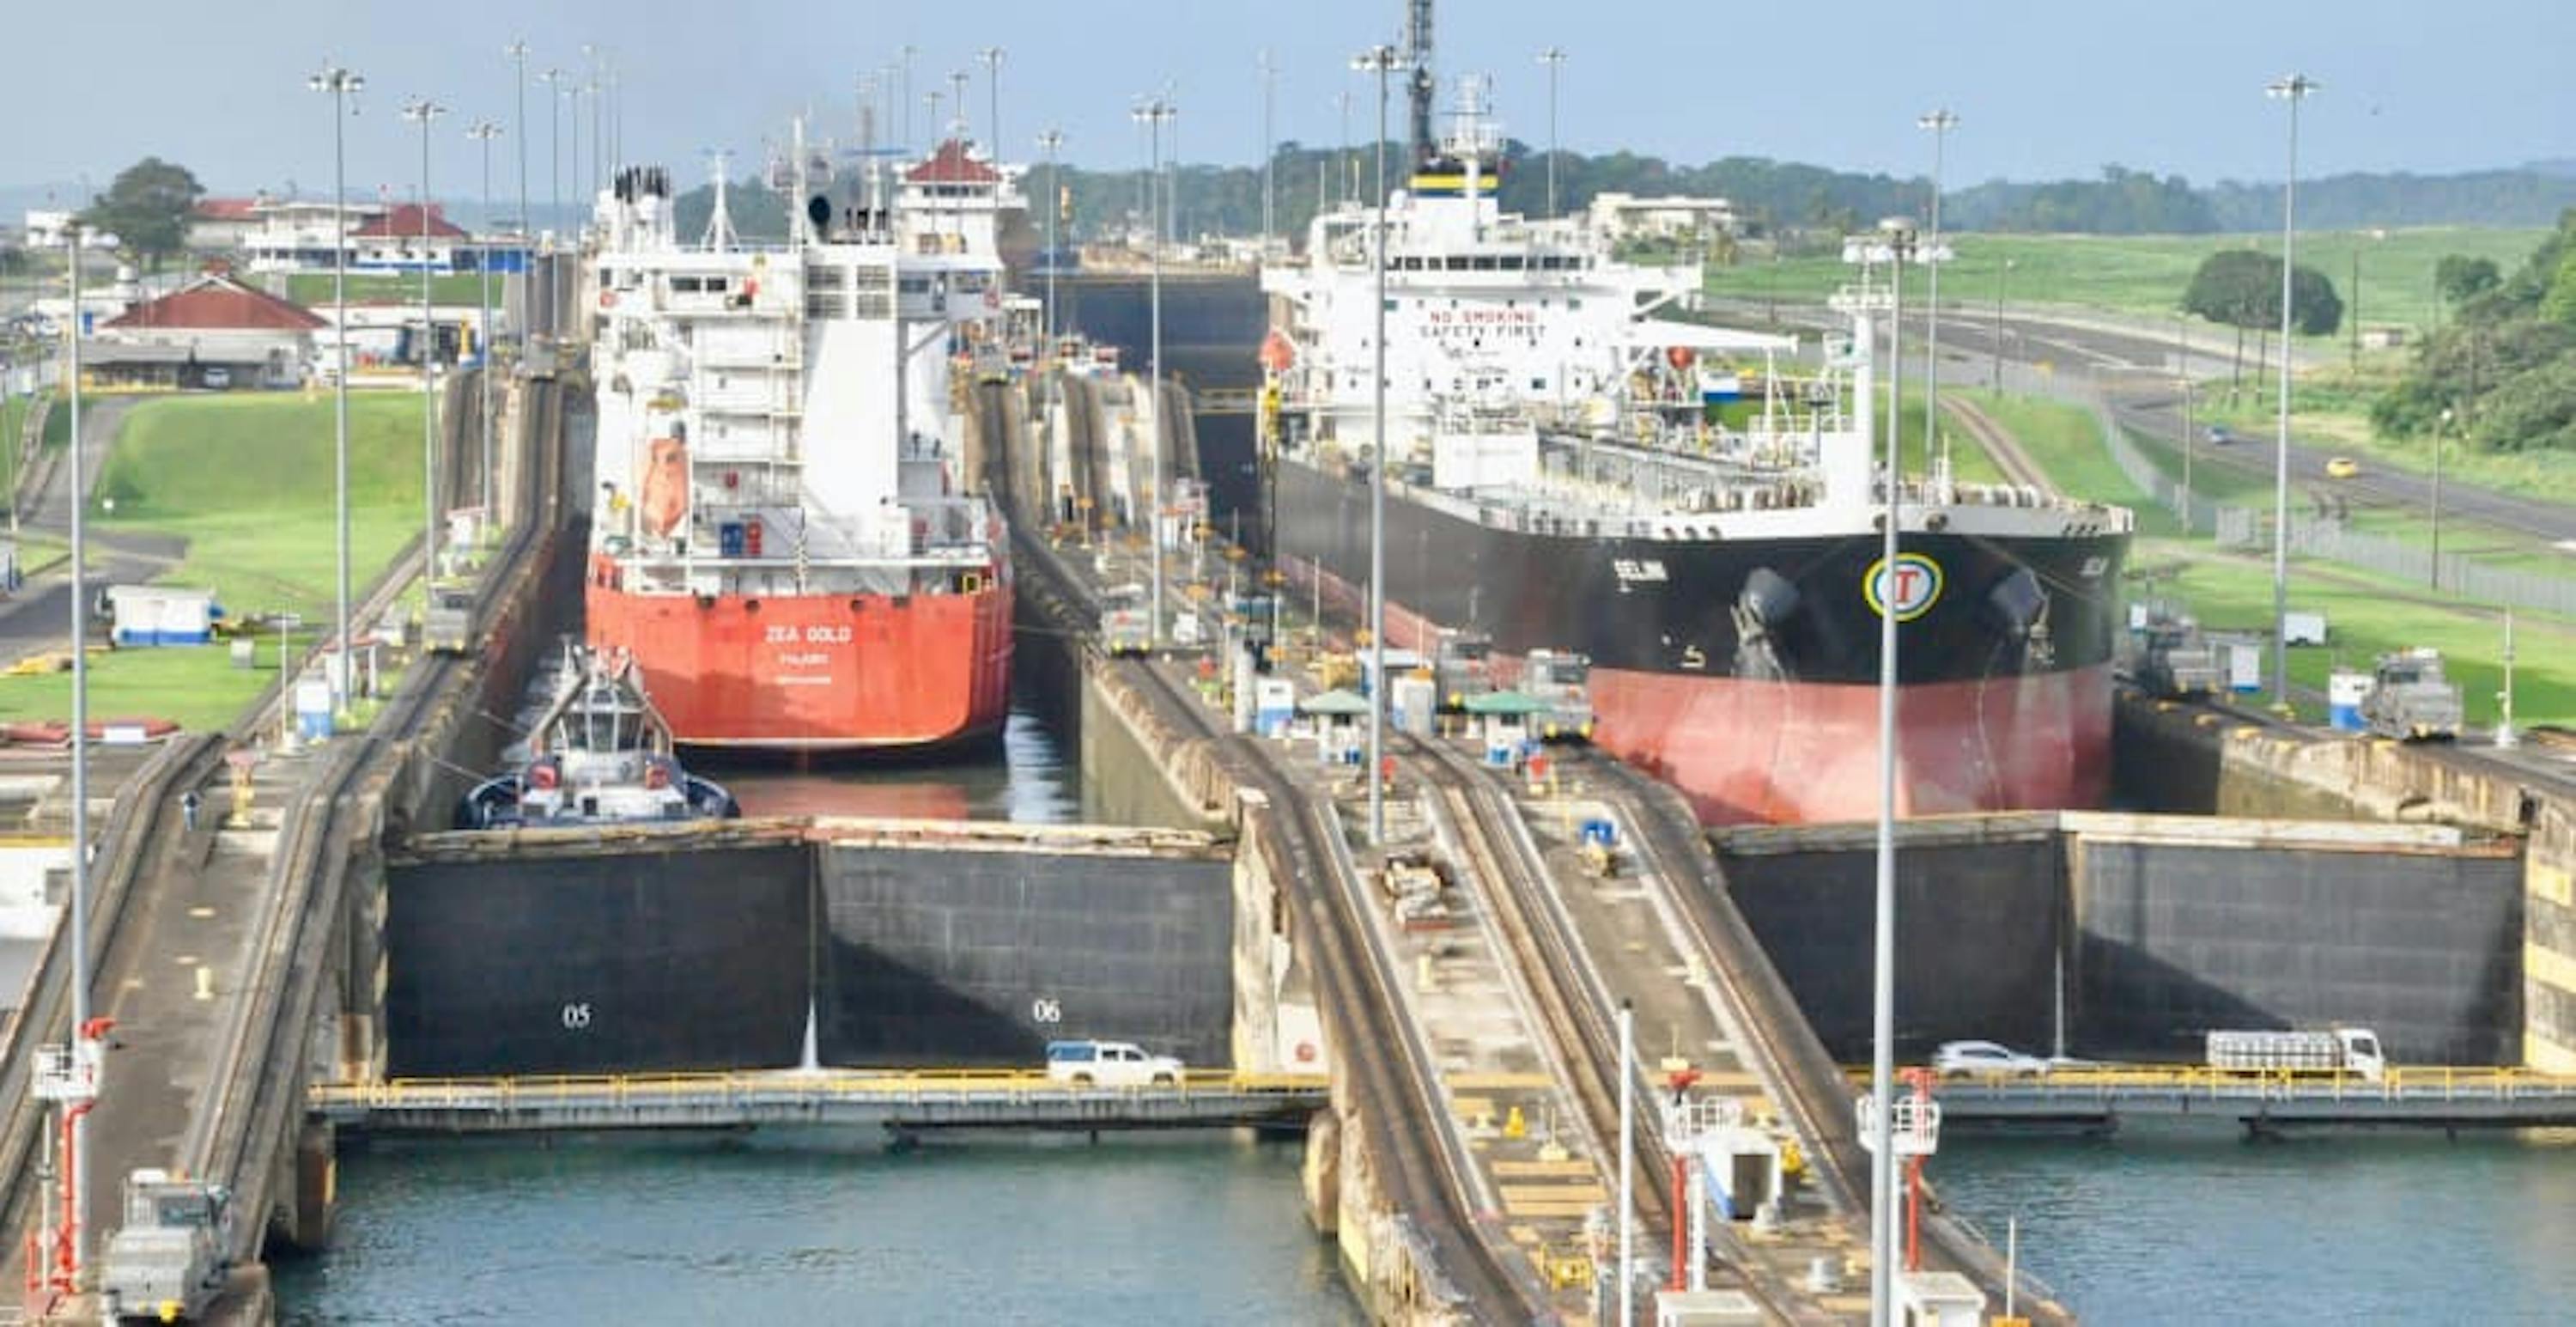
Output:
x,y
1912,585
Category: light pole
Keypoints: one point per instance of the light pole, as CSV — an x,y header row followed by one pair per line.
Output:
x,y
78,1162
992,58
1154,113
1049,142
957,80
1381,61
1553,58
2002,270
553,79
342,85
2184,382
1940,122
2439,429
2292,89
421,111
1887,583
484,131
572,91
518,53
903,92
1269,152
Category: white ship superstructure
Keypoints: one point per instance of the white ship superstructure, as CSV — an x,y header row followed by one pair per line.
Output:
x,y
782,518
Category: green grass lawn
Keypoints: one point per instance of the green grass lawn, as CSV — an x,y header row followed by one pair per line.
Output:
x,y
195,685
13,417
313,289
247,480
2367,616
2146,274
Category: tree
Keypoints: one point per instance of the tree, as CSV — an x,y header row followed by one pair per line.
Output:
x,y
2459,278
147,209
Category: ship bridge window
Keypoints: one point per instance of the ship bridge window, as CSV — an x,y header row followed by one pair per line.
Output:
x,y
1485,262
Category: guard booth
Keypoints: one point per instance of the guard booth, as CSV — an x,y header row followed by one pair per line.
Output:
x,y
1340,720
1501,719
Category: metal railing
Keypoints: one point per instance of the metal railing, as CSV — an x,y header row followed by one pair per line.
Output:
x,y
901,1087
2328,538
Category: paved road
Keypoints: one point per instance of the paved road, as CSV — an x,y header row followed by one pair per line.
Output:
x,y
39,617
2138,368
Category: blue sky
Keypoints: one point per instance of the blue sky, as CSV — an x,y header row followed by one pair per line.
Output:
x,y
2044,89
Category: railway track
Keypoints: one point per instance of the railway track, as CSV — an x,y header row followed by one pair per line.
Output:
x,y
256,1090
1810,1091
1395,1078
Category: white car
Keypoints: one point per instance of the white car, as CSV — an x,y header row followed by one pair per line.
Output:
x,y
1959,1059
1109,1064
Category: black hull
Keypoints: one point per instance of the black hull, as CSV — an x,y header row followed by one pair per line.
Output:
x,y
1668,606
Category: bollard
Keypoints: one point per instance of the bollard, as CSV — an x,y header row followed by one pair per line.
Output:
x,y
205,982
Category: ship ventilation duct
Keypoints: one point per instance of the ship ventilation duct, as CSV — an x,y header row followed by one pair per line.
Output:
x,y
2017,604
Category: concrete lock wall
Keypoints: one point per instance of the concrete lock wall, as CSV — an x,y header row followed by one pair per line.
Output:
x,y
2167,926
2549,942
607,964
668,959
975,957
2177,939
1977,932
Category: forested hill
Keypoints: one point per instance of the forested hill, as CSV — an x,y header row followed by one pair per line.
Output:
x,y
1798,197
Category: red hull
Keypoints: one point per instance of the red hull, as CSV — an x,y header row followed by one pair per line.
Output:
x,y
1796,752
815,672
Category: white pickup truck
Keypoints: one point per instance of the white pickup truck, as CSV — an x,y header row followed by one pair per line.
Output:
x,y
1109,1064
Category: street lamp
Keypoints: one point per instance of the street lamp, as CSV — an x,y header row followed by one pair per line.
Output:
x,y
2002,271
1553,58
1154,113
1269,153
484,131
342,85
1940,122
1381,61
1048,142
421,111
2292,89
518,53
903,91
2439,429
77,1162
1894,244
553,79
572,89
992,58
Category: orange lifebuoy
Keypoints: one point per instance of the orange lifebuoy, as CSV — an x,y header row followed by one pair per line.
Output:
x,y
608,299
992,299
1305,1052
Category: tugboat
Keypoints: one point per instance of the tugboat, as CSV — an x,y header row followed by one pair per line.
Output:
x,y
601,754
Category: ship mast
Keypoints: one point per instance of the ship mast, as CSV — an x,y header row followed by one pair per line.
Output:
x,y
1417,53
719,237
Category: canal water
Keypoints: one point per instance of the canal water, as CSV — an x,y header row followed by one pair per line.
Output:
x,y
2171,1221
827,1226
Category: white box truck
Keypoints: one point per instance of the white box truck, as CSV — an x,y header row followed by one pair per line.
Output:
x,y
2341,1050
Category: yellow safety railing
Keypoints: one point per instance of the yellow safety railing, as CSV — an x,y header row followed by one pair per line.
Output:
x,y
676,1087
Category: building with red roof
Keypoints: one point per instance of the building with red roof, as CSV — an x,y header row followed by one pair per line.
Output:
x,y
212,332
955,199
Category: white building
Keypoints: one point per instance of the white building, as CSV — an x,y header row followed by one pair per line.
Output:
x,y
956,198
1628,217
47,226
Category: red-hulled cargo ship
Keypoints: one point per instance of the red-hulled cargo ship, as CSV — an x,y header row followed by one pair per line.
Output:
x,y
785,536
1693,508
